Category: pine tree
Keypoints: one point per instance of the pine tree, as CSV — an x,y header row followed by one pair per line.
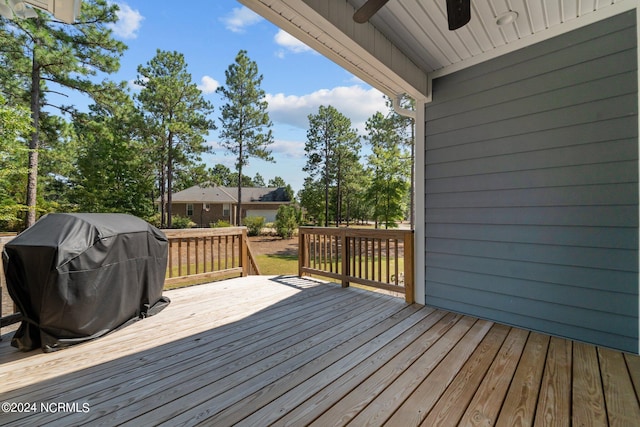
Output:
x,y
176,116
389,167
245,122
113,171
14,123
42,50
332,149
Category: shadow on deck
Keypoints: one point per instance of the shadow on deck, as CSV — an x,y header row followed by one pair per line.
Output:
x,y
289,351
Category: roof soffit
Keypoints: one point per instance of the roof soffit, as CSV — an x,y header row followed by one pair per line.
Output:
x,y
407,43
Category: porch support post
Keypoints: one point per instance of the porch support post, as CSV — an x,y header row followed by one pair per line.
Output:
x,y
638,144
420,220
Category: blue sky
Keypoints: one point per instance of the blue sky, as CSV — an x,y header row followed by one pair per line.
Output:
x,y
297,80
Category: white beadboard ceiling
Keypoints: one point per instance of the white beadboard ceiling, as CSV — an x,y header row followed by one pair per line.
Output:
x,y
419,27
407,42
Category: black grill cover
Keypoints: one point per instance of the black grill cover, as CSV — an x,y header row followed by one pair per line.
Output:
x,y
76,277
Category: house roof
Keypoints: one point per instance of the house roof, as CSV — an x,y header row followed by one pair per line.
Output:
x,y
407,42
217,194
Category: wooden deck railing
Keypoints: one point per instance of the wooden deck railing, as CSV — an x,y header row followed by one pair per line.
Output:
x,y
195,255
380,259
208,253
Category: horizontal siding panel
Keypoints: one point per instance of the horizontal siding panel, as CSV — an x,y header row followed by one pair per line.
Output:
x,y
566,315
618,128
605,173
576,47
596,300
594,216
599,237
598,68
586,195
610,259
531,187
540,324
608,280
605,152
601,110
567,97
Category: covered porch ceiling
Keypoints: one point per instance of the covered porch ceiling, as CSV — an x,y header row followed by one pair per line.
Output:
x,y
407,42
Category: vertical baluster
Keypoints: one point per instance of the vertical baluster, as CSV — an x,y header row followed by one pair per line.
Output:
x,y
170,263
188,257
323,252
180,256
331,254
360,257
388,261
395,241
233,251
211,268
379,259
197,244
366,257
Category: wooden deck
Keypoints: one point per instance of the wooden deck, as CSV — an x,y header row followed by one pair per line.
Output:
x,y
262,350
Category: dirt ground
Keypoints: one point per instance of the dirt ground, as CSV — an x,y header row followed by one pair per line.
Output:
x,y
261,245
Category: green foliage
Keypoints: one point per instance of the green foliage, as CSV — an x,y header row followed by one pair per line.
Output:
x,y
43,50
246,127
220,224
14,123
277,182
332,150
287,221
388,166
176,119
254,224
113,171
312,199
182,222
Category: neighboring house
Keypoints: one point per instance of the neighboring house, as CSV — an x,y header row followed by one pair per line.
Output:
x,y
206,205
526,151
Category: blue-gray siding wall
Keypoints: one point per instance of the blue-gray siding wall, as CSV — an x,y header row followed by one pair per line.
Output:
x,y
531,183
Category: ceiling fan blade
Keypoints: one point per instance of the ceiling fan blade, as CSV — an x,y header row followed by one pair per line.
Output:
x,y
458,13
367,10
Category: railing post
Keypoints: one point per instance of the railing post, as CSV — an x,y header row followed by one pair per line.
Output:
x,y
345,258
409,267
302,251
244,261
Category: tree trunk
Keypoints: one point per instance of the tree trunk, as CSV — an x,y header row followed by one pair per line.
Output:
x,y
169,179
163,192
326,183
239,211
32,177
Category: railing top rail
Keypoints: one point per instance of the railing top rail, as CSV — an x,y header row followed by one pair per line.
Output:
x,y
204,232
357,232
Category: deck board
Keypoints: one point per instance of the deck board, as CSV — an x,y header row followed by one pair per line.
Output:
x,y
290,351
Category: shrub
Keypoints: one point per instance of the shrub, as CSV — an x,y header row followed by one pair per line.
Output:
x,y
220,224
181,222
254,224
286,221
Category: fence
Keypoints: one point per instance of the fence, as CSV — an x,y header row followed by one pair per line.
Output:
x,y
199,254
381,259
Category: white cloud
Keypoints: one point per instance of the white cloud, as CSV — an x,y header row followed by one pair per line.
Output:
x,y
240,18
292,149
128,23
208,84
134,86
290,43
355,102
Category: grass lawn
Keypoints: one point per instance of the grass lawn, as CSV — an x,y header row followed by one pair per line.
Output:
x,y
276,264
